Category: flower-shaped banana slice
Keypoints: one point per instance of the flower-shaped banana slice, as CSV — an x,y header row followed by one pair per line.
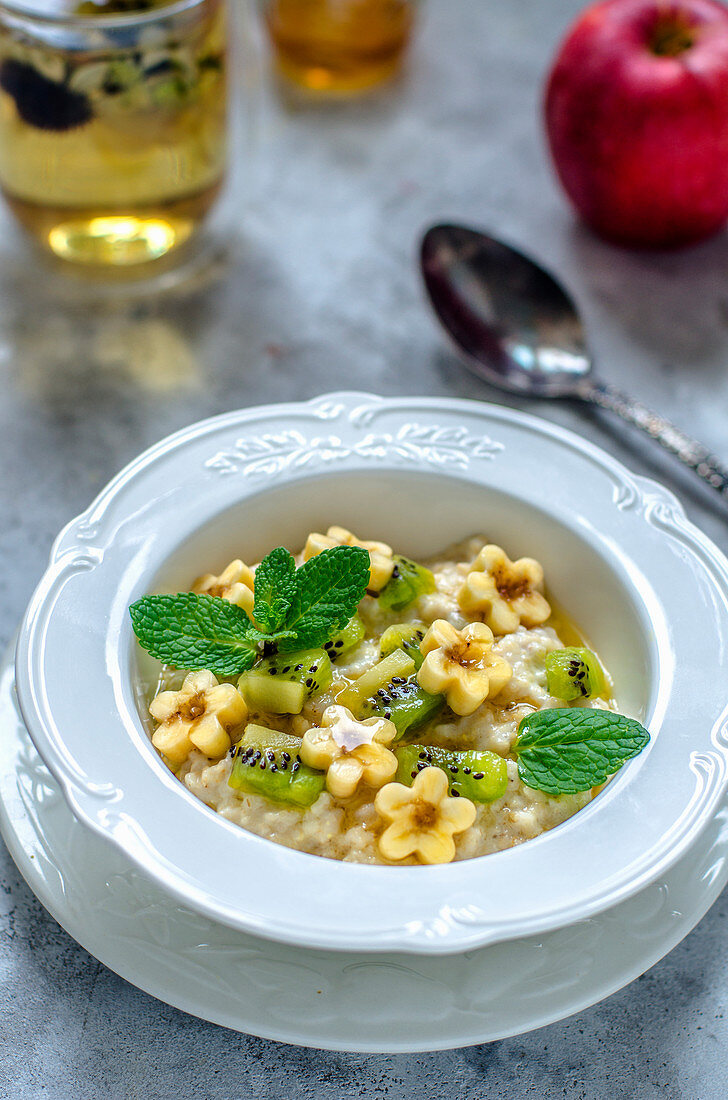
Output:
x,y
461,665
506,593
201,714
235,584
380,555
423,818
349,751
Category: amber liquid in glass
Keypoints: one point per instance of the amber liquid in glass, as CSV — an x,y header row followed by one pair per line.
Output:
x,y
338,46
112,151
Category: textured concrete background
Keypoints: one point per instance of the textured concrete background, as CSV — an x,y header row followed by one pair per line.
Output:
x,y
321,293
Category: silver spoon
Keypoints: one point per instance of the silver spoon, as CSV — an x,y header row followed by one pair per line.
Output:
x,y
517,328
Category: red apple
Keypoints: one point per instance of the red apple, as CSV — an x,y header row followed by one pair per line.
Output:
x,y
637,119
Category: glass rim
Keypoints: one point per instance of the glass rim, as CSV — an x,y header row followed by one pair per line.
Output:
x,y
87,22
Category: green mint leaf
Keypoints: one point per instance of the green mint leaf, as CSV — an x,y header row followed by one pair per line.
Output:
x,y
275,636
329,588
263,637
566,750
275,585
191,632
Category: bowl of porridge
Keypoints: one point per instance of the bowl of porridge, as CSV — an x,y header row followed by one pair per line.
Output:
x,y
404,674
435,667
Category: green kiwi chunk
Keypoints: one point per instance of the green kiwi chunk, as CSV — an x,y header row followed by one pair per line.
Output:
x,y
267,762
479,776
282,684
574,673
408,581
369,683
346,639
403,702
405,636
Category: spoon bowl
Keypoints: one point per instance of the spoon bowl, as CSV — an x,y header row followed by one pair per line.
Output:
x,y
516,327
514,323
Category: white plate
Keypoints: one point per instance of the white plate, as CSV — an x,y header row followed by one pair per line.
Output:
x,y
650,590
334,1000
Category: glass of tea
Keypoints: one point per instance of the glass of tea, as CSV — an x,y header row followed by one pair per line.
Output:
x,y
338,46
113,124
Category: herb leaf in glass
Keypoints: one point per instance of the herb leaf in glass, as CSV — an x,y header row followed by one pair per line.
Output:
x,y
113,124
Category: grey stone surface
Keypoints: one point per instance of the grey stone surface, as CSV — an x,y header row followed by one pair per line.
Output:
x,y
320,292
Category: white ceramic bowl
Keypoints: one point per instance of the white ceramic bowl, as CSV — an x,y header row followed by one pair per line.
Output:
x,y
649,589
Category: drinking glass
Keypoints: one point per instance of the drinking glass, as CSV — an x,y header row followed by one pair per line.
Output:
x,y
338,46
113,124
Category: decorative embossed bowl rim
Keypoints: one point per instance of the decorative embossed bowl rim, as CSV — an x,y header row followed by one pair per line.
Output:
x,y
654,592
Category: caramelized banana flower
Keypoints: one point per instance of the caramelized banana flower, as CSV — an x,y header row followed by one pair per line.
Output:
x,y
200,715
461,665
423,818
349,751
506,593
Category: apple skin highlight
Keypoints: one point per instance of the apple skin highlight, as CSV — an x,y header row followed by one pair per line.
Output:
x,y
636,112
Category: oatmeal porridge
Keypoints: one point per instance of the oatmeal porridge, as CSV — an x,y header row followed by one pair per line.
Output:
x,y
382,712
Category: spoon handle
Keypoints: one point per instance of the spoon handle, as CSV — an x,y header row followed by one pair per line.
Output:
x,y
687,449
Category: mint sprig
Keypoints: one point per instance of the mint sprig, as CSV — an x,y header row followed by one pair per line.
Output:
x,y
192,632
328,589
571,749
293,609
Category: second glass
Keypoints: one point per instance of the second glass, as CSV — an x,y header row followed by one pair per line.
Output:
x,y
338,46
113,126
